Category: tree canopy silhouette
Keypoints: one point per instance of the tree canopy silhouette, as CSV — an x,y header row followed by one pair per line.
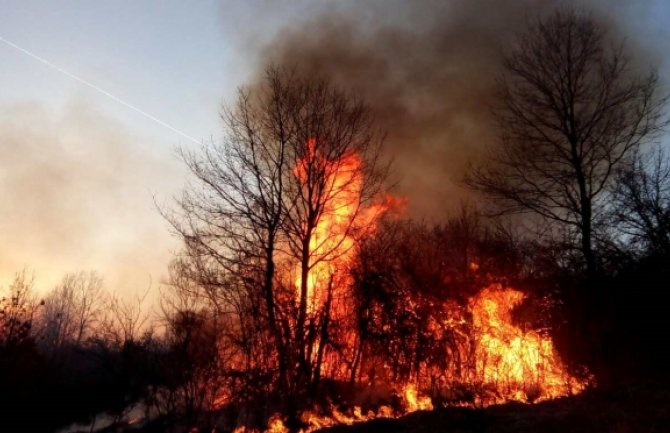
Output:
x,y
573,110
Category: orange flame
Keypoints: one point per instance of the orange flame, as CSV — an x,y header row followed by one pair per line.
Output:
x,y
521,365
415,402
515,364
343,215
313,421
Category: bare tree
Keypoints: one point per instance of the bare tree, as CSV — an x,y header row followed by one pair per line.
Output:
x,y
17,310
72,309
296,152
232,219
336,174
573,111
125,320
642,208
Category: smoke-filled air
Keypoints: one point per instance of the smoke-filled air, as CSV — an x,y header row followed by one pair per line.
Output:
x,y
314,216
428,71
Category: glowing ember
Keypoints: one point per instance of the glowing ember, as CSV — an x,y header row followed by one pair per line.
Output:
x,y
276,425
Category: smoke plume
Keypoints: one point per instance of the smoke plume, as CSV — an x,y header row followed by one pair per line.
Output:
x,y
428,70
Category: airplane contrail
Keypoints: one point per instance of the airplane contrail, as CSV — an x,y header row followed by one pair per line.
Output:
x,y
99,89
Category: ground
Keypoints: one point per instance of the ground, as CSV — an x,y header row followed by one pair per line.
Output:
x,y
634,408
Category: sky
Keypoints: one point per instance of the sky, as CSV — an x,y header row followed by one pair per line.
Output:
x,y
81,173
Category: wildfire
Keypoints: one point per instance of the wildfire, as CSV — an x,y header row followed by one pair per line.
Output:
x,y
343,215
503,361
314,421
518,365
416,402
276,425
511,363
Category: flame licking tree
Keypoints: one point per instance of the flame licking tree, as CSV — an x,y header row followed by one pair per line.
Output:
x,y
271,234
272,223
330,210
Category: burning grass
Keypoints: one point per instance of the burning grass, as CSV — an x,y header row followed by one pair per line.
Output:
x,y
519,365
508,365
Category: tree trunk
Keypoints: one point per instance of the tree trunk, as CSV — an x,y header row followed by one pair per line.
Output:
x,y
303,367
587,247
323,338
270,305
585,208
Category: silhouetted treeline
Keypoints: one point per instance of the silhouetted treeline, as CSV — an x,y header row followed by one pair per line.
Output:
x,y
64,356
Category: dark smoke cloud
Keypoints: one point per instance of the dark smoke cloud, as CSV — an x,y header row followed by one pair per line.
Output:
x,y
428,70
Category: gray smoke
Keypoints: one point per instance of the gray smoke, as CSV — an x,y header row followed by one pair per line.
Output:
x,y
428,71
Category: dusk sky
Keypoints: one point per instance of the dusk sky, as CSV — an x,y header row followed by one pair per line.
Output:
x,y
79,171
